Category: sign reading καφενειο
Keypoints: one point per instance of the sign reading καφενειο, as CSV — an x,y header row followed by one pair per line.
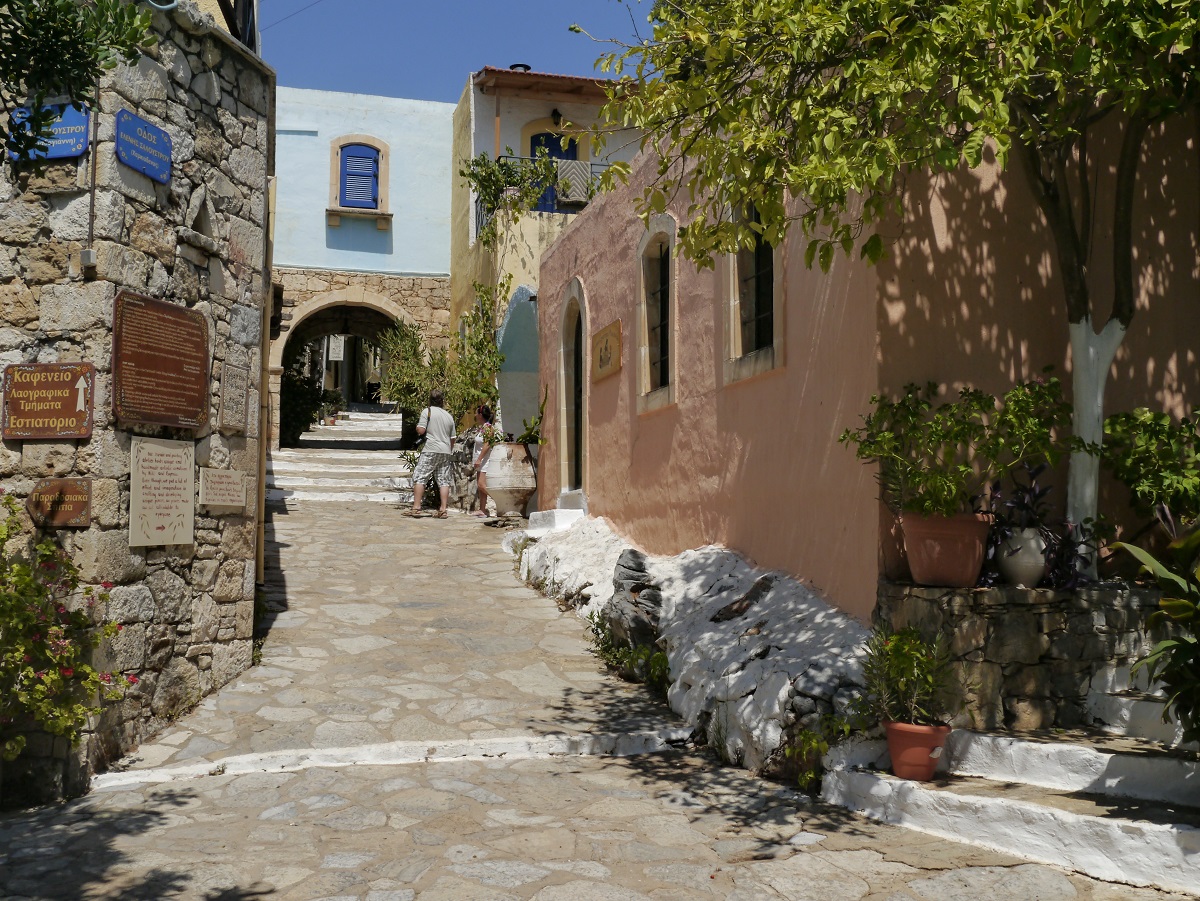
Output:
x,y
48,400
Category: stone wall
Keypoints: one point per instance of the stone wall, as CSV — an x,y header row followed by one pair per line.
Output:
x,y
186,611
1026,658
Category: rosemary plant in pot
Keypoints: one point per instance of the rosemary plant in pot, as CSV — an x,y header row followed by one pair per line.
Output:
x,y
908,689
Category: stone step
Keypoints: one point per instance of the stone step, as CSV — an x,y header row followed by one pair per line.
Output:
x,y
347,481
328,441
1113,809
332,455
1136,713
300,467
339,495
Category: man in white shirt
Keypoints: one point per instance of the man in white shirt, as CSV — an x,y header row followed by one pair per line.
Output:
x,y
436,457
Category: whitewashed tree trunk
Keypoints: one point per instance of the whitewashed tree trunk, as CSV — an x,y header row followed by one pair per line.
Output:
x,y
1091,358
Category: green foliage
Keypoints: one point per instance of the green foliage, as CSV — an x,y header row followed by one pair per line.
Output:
x,y
1157,459
299,403
46,639
59,48
507,188
808,748
907,678
475,360
937,460
1175,662
637,664
533,427
832,104
332,400
408,375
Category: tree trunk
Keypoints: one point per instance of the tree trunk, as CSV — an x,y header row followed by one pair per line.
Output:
x,y
1091,358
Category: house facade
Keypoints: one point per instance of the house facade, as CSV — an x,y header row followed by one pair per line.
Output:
x,y
361,230
512,114
692,407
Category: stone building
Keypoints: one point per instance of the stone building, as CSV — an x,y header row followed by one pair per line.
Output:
x,y
362,227
174,244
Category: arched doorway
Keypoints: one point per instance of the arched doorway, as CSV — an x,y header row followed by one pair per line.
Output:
x,y
359,315
573,395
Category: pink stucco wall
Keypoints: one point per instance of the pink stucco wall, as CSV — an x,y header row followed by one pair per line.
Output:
x,y
968,295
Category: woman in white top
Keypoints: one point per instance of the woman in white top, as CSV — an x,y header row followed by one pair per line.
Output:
x,y
483,450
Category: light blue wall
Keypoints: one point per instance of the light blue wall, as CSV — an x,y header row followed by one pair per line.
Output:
x,y
418,134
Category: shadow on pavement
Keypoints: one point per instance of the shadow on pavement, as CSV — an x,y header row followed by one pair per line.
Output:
x,y
81,850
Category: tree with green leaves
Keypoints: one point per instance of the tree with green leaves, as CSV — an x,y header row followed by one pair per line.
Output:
x,y
475,360
813,112
56,50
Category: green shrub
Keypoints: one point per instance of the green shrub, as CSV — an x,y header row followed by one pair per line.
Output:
x,y
46,638
1158,459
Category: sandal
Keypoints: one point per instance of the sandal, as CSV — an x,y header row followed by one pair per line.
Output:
x,y
414,514
441,514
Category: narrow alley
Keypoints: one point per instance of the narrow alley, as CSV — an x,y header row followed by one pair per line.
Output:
x,y
422,726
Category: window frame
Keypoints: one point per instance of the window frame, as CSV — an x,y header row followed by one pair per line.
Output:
x,y
336,209
739,363
657,246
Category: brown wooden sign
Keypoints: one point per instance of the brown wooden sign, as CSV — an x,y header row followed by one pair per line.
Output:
x,y
61,503
48,400
161,360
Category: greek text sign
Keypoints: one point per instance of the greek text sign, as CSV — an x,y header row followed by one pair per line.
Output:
x,y
61,503
69,134
222,488
48,400
162,493
143,146
337,348
161,360
606,351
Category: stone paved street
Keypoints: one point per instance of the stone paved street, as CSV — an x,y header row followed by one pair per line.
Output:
x,y
424,727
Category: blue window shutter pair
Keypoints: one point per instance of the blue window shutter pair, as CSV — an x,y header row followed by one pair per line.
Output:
x,y
360,177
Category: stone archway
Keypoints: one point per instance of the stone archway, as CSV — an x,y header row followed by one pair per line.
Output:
x,y
353,310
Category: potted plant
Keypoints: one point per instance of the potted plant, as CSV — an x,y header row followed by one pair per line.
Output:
x,y
935,461
907,688
1020,533
928,477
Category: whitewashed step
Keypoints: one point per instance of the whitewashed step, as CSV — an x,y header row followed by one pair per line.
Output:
x,y
1136,713
389,483
542,522
342,496
1067,806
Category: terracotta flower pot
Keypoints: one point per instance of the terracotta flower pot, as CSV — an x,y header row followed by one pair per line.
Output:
x,y
915,750
945,550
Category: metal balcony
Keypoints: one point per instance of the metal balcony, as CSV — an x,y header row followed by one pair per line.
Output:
x,y
570,192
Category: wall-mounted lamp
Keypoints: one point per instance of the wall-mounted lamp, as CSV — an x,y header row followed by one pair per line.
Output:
x,y
556,117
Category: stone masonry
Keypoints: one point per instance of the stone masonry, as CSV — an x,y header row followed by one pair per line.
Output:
x,y
186,611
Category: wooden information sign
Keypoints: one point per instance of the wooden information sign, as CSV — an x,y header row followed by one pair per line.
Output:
x,y
606,351
162,492
161,358
61,503
222,488
48,400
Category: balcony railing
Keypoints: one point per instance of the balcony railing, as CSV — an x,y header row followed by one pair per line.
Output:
x,y
573,187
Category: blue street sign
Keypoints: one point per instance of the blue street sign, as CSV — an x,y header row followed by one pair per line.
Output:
x,y
144,147
69,134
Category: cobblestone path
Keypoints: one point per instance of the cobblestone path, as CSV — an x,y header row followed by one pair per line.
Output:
x,y
424,727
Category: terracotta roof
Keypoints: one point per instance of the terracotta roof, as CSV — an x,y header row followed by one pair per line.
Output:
x,y
585,87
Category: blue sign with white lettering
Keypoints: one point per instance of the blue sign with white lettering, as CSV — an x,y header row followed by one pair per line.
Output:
x,y
69,134
144,147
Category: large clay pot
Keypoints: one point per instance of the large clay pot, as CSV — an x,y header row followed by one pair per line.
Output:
x,y
510,477
1021,558
915,750
945,550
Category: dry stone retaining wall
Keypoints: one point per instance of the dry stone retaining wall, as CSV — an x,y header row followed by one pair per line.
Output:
x,y
186,611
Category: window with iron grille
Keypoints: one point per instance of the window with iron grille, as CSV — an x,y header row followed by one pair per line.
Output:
x,y
756,295
658,315
359,177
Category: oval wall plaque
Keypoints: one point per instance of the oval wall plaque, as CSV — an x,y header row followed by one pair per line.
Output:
x,y
61,503
161,361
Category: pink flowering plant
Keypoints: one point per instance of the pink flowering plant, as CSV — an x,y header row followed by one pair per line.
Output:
x,y
46,639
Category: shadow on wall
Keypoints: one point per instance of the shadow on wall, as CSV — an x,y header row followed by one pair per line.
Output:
x,y
359,235
970,291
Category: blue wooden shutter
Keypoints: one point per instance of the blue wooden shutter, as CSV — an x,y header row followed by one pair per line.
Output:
x,y
360,177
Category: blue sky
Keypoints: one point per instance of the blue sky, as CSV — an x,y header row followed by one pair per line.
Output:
x,y
425,50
